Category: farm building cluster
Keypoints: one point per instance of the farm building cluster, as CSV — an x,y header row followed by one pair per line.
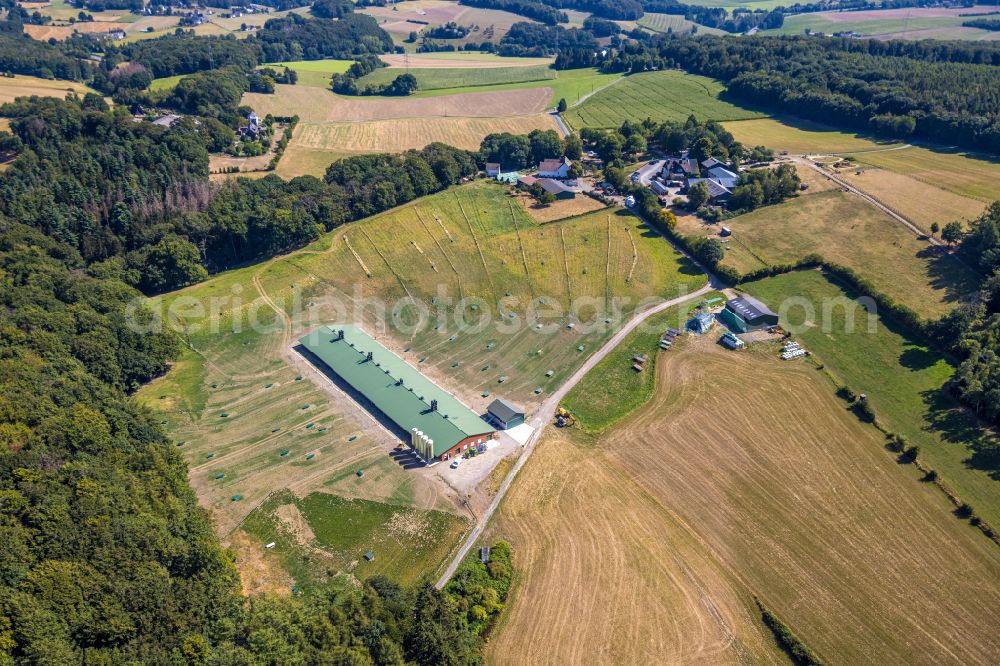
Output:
x,y
684,172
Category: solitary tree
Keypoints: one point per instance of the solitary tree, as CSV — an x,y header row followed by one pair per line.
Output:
x,y
935,227
697,196
561,107
952,233
710,252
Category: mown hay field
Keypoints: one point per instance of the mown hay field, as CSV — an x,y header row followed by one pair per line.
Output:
x,y
921,203
457,59
664,95
847,230
25,86
800,136
658,534
314,104
799,499
971,176
315,146
901,378
439,78
609,575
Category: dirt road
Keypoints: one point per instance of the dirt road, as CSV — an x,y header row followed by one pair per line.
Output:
x,y
546,413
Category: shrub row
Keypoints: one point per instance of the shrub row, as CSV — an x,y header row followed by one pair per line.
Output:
x,y
789,642
286,136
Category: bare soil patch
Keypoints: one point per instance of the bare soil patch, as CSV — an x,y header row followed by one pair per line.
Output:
x,y
560,209
258,573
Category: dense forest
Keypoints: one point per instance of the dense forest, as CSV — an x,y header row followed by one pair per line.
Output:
x,y
111,188
528,8
106,556
944,92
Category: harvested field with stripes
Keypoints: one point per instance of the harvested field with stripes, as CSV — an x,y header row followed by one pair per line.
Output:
x,y
662,543
318,105
315,146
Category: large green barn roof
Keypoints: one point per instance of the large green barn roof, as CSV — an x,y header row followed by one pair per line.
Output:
x,y
407,404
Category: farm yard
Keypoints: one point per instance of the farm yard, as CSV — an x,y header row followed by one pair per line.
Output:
x,y
664,95
238,408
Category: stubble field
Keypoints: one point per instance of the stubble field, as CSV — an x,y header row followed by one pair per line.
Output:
x,y
743,476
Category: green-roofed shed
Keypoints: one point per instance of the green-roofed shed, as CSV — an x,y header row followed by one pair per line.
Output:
x,y
438,424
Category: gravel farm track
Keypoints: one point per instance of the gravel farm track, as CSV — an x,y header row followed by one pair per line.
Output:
x,y
653,551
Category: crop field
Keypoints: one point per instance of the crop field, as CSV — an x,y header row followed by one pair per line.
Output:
x,y
963,174
439,78
800,137
321,537
25,86
61,32
319,105
457,59
847,230
673,23
413,16
314,73
613,389
665,95
908,23
239,407
316,145
901,379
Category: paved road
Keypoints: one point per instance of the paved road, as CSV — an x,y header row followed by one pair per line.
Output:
x,y
647,171
559,121
546,413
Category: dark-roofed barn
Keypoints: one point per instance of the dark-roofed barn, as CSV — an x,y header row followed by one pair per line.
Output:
x,y
746,313
504,414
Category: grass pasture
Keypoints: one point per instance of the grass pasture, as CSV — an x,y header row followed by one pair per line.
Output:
x,y
902,380
613,390
462,77
970,176
845,229
314,73
323,537
664,95
800,137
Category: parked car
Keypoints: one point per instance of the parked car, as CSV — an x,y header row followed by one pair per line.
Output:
x,y
454,463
